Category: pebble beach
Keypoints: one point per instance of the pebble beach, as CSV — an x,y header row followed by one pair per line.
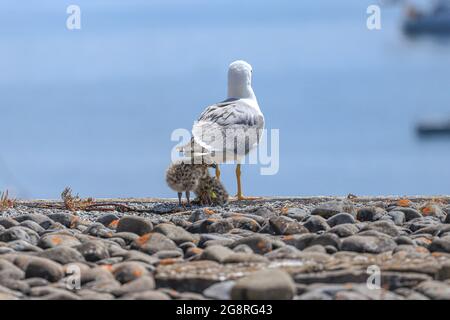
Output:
x,y
315,248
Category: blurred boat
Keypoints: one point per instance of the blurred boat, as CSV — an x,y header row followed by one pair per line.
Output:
x,y
437,21
433,127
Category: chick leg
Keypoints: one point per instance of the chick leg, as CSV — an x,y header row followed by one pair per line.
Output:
x,y
239,195
179,199
188,194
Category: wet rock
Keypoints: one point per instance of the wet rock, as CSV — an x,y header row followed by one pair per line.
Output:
x,y
410,213
36,282
434,290
87,294
410,294
133,224
245,223
153,242
263,212
285,226
220,291
340,218
194,276
217,242
146,295
258,243
61,296
23,246
190,296
44,268
327,239
102,273
4,250
398,217
98,230
174,233
220,226
344,230
102,285
239,257
216,253
66,219
10,271
440,244
385,227
287,252
331,208
198,215
134,255
121,242
128,237
423,241
432,210
447,218
391,280
243,248
32,225
109,261
19,233
297,214
201,226
108,220
316,248
93,250
314,295
444,271
316,223
369,244
7,223
369,214
40,219
193,253
52,240
299,241
144,283
264,285
403,240
421,223
62,255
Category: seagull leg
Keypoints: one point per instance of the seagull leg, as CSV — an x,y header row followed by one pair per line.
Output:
x,y
239,195
217,172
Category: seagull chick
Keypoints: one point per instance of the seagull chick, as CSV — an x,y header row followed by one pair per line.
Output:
x,y
184,177
210,191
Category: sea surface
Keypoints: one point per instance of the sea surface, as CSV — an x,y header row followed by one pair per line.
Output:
x,y
94,108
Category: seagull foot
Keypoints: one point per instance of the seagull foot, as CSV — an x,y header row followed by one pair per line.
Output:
x,y
242,198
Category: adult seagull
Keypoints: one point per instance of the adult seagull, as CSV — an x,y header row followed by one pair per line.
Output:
x,y
229,130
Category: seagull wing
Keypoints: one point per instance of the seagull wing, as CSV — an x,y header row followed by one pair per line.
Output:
x,y
221,124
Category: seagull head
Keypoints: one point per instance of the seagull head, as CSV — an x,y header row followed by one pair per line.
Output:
x,y
240,80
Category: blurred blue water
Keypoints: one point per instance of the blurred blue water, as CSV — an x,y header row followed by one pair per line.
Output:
x,y
94,109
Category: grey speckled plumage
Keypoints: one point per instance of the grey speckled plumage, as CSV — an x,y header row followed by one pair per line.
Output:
x,y
211,191
184,177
